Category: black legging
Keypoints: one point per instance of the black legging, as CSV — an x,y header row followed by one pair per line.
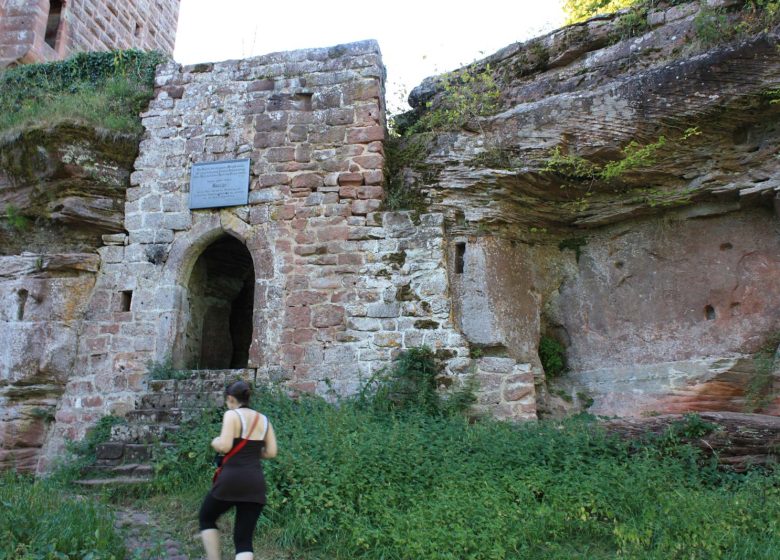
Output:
x,y
247,514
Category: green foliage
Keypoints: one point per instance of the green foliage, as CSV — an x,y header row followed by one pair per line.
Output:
x,y
633,22
759,389
466,96
712,25
634,155
573,243
15,219
40,521
106,89
350,482
580,10
402,154
81,454
552,355
411,386
165,370
570,166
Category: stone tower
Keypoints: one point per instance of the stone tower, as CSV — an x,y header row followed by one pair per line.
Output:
x,y
44,30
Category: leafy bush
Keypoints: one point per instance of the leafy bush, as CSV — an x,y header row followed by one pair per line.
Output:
x,y
164,370
552,355
39,521
411,386
350,482
106,89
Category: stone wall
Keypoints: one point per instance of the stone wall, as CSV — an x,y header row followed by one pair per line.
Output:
x,y
339,286
660,282
44,30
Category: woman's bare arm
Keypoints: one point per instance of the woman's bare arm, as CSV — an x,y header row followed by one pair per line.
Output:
x,y
269,451
224,441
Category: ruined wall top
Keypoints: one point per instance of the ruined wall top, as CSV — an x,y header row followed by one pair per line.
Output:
x,y
45,30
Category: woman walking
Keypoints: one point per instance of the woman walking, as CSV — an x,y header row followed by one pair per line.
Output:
x,y
246,437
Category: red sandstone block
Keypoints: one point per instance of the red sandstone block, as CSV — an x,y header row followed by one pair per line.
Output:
x,y
371,192
304,237
333,233
364,135
341,210
268,123
268,139
286,212
372,161
292,355
92,402
306,297
362,207
307,180
351,259
362,91
303,386
373,177
274,179
261,85
280,154
328,316
297,317
302,336
348,192
350,179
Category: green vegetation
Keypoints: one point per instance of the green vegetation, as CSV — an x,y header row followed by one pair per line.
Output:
x,y
759,390
553,356
351,482
104,89
466,96
81,454
15,219
164,370
633,156
402,154
40,521
398,473
580,10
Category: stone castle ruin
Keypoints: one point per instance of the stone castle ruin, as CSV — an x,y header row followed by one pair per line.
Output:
x,y
45,30
660,285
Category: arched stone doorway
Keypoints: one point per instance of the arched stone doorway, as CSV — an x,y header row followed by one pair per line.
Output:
x,y
221,295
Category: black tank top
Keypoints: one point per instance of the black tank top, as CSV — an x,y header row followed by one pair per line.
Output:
x,y
242,479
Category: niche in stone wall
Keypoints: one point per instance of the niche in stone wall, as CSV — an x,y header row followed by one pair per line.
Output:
x,y
221,296
53,21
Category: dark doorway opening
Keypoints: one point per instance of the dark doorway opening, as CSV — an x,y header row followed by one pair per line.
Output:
x,y
53,22
221,293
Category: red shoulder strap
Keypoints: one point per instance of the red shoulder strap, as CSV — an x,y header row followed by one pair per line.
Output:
x,y
240,445
236,448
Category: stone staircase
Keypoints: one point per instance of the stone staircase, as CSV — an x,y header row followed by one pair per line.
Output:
x,y
127,457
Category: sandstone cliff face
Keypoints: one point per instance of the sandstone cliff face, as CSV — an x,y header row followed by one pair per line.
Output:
x,y
660,278
61,189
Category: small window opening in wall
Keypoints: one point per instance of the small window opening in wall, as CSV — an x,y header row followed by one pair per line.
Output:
x,y
126,298
138,29
460,257
23,295
53,22
709,312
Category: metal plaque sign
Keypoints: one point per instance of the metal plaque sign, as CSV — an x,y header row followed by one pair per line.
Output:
x,y
219,183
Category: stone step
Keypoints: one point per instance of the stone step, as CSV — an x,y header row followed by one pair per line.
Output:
x,y
142,433
118,452
154,416
116,481
182,400
137,470
203,380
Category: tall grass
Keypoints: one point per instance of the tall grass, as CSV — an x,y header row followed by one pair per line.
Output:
x,y
353,483
40,521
